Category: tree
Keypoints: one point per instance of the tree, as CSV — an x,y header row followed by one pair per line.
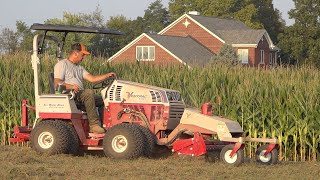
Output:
x,y
76,20
179,7
156,17
227,54
238,9
115,43
270,18
24,35
19,40
94,19
301,41
248,15
8,41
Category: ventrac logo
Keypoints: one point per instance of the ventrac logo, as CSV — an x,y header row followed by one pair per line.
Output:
x,y
132,95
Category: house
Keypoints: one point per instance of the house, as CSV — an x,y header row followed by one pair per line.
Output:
x,y
162,49
194,39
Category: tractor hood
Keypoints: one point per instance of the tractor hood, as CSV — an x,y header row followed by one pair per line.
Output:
x,y
132,92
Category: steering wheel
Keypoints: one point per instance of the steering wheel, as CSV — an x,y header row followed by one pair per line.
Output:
x,y
104,83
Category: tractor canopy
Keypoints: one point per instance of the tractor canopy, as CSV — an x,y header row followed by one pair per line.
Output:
x,y
66,29
69,28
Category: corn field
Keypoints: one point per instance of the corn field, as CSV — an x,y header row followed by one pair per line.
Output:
x,y
281,102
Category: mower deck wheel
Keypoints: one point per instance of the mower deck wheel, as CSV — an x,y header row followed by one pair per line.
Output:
x,y
237,157
270,158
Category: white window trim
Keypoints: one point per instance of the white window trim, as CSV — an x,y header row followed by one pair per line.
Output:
x,y
149,59
239,54
270,60
261,57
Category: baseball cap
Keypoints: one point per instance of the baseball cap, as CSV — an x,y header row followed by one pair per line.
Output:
x,y
80,47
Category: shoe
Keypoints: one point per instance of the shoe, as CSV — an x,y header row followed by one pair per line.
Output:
x,y
97,129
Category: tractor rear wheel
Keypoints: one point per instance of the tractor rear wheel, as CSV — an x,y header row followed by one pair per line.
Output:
x,y
149,141
123,141
236,159
270,158
50,137
74,141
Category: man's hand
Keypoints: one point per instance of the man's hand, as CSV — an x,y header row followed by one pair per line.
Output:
x,y
75,88
112,74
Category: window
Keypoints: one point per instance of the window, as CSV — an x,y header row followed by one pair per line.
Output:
x,y
145,53
243,56
261,56
270,61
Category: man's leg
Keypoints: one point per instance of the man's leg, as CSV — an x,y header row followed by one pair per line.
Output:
x,y
100,105
88,98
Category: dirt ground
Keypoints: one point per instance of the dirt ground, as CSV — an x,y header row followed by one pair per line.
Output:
x,y
24,163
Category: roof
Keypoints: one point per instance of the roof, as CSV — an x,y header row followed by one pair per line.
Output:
x,y
69,28
214,23
230,30
241,36
186,48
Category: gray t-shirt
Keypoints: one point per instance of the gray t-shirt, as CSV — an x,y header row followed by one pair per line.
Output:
x,y
70,73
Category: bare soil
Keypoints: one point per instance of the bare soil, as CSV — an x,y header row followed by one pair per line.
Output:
x,y
23,163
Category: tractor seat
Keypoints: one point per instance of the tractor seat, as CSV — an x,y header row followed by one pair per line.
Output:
x,y
79,105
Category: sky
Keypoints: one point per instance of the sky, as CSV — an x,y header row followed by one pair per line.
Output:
x,y
37,11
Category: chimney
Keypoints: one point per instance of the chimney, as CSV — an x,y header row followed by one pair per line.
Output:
x,y
196,13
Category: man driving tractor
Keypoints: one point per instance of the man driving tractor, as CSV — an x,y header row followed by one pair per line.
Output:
x,y
70,73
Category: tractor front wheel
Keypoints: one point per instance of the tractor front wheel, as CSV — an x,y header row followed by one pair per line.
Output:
x,y
270,158
237,157
50,137
123,141
150,141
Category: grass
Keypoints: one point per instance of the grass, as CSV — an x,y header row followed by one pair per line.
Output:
x,y
23,163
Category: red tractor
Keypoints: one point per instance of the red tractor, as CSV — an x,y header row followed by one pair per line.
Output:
x,y
137,118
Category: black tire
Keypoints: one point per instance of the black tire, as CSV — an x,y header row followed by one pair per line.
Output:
x,y
50,137
271,158
236,159
123,141
74,141
149,142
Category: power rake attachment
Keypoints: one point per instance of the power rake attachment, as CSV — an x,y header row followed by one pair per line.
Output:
x,y
230,142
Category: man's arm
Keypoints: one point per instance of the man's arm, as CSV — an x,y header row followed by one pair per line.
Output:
x,y
68,86
94,79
